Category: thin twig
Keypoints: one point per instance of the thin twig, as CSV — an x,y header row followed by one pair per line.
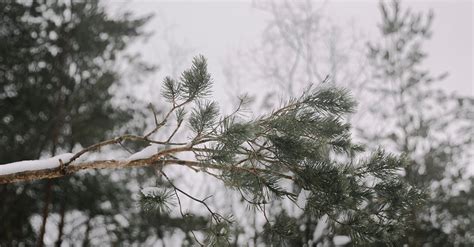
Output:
x,y
217,217
126,149
165,119
117,140
174,131
185,216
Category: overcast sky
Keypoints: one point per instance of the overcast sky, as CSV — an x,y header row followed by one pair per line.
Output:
x,y
216,29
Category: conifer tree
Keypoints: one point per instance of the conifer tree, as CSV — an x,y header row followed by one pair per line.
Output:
x,y
432,127
56,79
300,44
364,197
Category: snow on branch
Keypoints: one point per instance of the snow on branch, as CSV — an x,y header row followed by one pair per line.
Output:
x,y
51,168
256,157
35,165
144,153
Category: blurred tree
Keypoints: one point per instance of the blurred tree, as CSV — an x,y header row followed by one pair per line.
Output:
x,y
300,44
435,129
57,79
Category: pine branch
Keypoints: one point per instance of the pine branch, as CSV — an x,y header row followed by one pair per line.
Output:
x,y
294,143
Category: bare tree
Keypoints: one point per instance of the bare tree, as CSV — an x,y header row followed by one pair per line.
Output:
x,y
300,44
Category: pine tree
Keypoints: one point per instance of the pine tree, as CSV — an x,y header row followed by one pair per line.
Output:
x,y
56,75
433,128
363,197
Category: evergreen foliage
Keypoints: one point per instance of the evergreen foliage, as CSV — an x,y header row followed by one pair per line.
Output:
x,y
366,198
57,76
156,201
431,127
305,143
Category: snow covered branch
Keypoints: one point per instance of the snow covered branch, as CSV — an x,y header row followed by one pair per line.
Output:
x,y
62,165
258,157
55,167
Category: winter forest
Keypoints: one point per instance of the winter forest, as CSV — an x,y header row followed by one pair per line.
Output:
x,y
236,123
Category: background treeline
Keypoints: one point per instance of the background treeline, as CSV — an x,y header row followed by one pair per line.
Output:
x,y
61,74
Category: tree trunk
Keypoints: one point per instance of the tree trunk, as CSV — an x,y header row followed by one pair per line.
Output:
x,y
62,214
255,232
86,235
47,202
54,137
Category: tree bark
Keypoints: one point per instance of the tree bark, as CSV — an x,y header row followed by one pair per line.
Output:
x,y
62,214
47,202
115,164
85,243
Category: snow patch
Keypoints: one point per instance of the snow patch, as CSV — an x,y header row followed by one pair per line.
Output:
x,y
341,240
144,153
34,165
302,198
121,220
151,191
320,227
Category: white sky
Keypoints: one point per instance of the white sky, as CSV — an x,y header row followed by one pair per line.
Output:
x,y
217,28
